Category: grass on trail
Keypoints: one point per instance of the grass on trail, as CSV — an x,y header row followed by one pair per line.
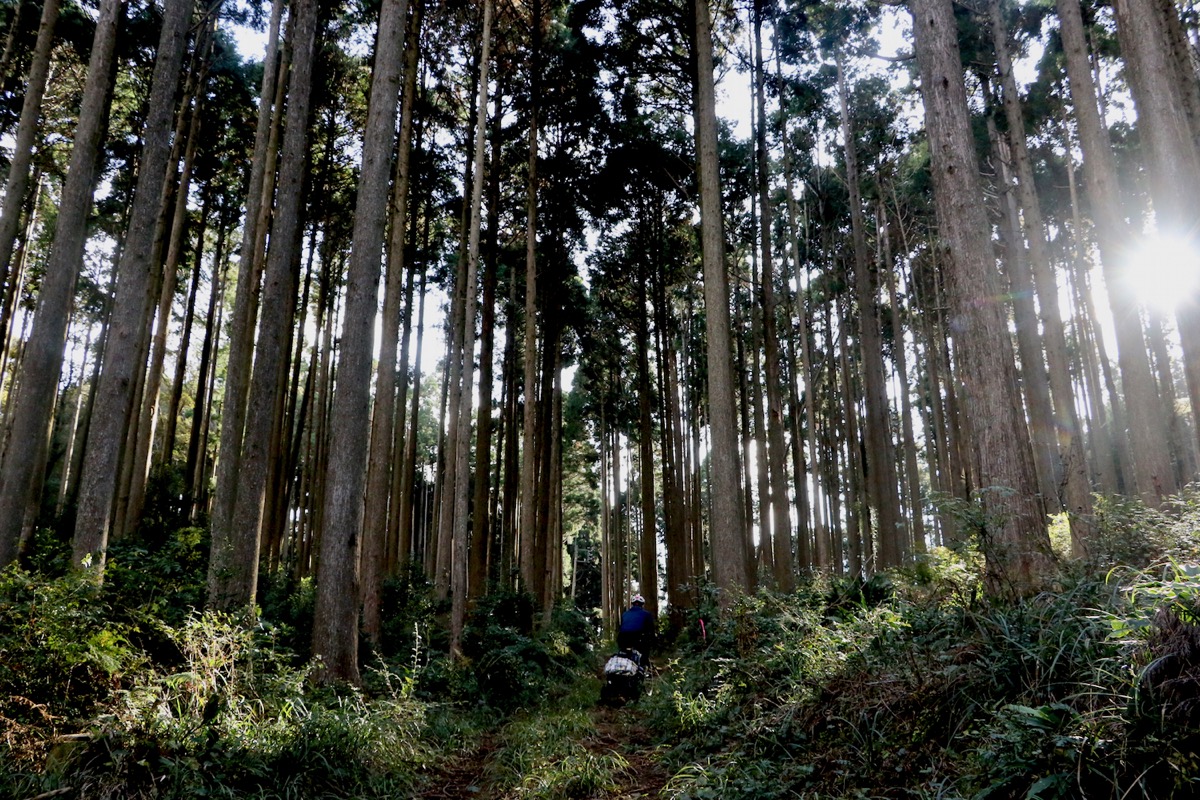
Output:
x,y
569,748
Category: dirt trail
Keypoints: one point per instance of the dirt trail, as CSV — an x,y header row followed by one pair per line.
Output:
x,y
622,731
462,776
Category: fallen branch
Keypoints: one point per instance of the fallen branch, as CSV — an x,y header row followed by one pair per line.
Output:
x,y
53,793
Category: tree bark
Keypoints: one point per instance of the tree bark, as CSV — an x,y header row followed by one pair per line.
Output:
x,y
1165,92
203,402
1016,544
43,357
1075,486
648,552
146,412
233,566
781,507
404,544
1033,378
805,545
461,448
1147,430
16,186
244,314
912,473
380,463
335,625
119,375
167,453
530,531
730,565
881,468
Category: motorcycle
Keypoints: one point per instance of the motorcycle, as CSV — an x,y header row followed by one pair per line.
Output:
x,y
624,675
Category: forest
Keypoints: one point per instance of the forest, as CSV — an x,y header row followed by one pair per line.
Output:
x,y
360,362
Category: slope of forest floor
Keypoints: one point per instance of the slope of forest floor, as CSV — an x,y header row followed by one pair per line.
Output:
x,y
912,684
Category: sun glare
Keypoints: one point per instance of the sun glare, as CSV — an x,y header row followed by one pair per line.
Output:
x,y
1164,272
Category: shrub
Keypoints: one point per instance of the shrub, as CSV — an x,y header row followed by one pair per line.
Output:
x,y
237,719
930,687
61,650
512,666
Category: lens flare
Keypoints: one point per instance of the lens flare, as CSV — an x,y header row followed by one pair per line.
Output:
x,y
1164,272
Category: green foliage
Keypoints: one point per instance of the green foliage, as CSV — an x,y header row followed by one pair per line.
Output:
x,y
290,603
918,686
508,666
163,574
60,649
545,756
913,683
1131,534
233,718
407,609
716,779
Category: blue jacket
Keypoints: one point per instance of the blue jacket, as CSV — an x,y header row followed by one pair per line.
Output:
x,y
637,620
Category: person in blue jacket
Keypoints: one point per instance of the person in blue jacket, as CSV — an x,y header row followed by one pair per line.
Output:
x,y
637,630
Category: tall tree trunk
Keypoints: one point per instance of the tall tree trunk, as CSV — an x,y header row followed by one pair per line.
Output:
x,y
729,558
74,429
1033,378
530,531
12,289
16,185
167,454
440,558
1181,442
244,314
759,476
781,511
1076,488
44,349
461,448
380,463
648,552
1017,547
1147,430
912,473
804,549
203,402
679,572
881,467
858,508
119,375
480,550
482,547
745,405
1106,464
606,535
404,539
510,462
233,565
1167,97
146,412
335,622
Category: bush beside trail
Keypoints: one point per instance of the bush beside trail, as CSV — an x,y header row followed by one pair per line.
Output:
x,y
915,684
124,690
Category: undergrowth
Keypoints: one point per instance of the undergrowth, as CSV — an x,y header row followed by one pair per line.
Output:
x,y
917,685
125,690
545,755
912,684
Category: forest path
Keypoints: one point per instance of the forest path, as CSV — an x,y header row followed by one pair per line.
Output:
x,y
621,731
624,730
